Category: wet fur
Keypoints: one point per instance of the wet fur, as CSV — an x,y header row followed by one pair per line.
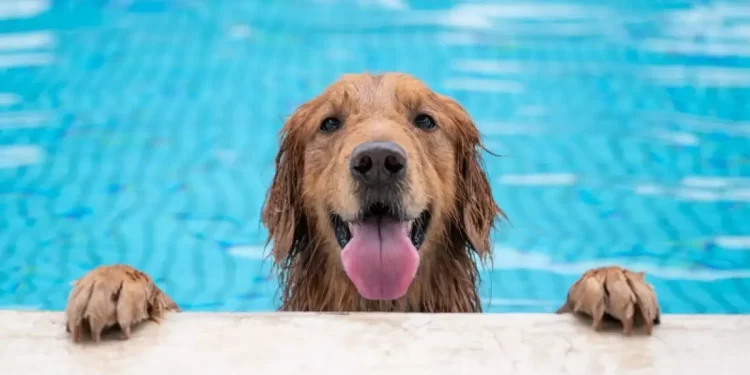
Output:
x,y
444,172
310,273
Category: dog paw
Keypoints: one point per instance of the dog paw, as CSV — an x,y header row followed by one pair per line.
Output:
x,y
111,296
617,293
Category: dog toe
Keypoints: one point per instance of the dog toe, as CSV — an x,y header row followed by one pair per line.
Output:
x,y
110,296
615,292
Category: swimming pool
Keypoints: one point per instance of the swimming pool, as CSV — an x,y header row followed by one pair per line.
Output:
x,y
144,132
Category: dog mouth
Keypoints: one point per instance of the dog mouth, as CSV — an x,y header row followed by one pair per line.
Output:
x,y
379,250
416,227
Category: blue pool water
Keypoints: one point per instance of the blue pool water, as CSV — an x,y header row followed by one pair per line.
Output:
x,y
144,132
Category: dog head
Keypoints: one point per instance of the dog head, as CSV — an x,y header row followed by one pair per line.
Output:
x,y
378,173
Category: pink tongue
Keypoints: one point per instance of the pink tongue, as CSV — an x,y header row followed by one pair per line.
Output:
x,y
380,259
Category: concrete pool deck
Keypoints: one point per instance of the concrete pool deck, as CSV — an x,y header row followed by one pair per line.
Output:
x,y
300,343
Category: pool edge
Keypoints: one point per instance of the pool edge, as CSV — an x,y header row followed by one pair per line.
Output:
x,y
375,343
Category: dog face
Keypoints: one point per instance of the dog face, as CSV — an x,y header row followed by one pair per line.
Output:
x,y
382,171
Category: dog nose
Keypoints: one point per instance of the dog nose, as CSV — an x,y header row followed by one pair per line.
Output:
x,y
378,163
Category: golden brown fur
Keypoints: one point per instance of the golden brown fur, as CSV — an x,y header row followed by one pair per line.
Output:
x,y
445,174
117,295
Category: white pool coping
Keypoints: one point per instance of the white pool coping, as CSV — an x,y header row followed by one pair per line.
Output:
x,y
362,344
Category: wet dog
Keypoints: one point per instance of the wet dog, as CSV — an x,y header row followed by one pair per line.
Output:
x,y
379,202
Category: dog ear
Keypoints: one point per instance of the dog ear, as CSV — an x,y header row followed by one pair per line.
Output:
x,y
477,207
282,213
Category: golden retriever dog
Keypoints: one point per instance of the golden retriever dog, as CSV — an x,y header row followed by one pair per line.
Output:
x,y
379,203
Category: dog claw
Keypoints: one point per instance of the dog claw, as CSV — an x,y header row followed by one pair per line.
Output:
x,y
616,292
110,296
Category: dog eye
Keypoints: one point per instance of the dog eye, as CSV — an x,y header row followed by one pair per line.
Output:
x,y
330,124
424,122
